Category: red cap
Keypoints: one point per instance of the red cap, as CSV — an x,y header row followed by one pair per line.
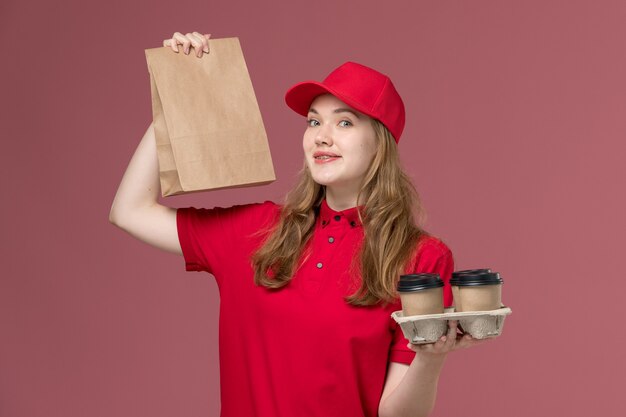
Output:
x,y
360,87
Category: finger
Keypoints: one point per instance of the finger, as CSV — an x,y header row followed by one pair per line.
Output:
x,y
469,341
420,348
453,325
426,347
196,43
202,48
181,39
451,335
464,341
171,43
440,344
204,40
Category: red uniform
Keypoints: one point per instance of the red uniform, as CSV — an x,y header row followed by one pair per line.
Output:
x,y
300,350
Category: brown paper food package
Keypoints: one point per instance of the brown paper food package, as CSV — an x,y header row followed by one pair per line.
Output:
x,y
208,126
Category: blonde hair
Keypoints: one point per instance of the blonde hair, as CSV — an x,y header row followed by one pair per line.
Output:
x,y
388,206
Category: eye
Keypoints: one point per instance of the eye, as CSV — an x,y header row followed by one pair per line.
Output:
x,y
349,123
310,122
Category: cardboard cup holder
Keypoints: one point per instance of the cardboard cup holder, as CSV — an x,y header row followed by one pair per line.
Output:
x,y
428,328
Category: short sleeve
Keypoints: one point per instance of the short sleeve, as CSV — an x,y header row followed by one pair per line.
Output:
x,y
209,236
432,256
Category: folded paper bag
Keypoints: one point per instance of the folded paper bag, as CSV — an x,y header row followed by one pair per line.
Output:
x,y
208,126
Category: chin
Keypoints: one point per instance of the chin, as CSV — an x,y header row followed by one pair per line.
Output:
x,y
325,180
322,182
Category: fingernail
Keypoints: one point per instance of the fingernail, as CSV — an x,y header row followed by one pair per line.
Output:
x,y
443,338
206,50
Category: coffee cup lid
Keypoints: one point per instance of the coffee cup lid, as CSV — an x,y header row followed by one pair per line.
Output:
x,y
470,272
471,277
418,282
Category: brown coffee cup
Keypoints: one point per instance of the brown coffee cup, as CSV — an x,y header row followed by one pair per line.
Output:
x,y
476,290
421,294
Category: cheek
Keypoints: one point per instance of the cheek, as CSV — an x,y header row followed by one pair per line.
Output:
x,y
368,153
306,150
367,161
369,149
307,141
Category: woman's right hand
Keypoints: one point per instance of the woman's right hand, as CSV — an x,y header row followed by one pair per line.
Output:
x,y
199,42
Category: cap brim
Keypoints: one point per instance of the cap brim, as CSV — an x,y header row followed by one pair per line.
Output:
x,y
300,96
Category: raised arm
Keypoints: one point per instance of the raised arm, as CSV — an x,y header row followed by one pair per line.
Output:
x,y
135,207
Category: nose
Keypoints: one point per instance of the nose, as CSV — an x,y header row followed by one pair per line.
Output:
x,y
323,136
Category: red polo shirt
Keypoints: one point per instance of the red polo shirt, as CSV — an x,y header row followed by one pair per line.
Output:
x,y
300,350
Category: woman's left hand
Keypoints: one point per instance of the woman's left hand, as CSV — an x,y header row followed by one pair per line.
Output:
x,y
447,343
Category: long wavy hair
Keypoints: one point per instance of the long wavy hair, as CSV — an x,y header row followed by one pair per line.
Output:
x,y
389,207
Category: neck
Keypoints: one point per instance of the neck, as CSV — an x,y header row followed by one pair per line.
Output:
x,y
339,200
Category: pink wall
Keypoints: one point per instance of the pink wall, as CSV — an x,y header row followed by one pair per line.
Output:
x,y
515,139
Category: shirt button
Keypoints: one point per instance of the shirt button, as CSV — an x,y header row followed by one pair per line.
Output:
x,y
331,239
337,218
353,223
319,265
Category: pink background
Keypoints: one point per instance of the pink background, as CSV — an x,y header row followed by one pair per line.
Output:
x,y
515,140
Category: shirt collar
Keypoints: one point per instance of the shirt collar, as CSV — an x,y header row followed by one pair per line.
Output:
x,y
349,216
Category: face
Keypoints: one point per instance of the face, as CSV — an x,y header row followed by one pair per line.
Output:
x,y
339,144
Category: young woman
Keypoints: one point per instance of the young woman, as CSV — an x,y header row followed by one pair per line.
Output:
x,y
307,287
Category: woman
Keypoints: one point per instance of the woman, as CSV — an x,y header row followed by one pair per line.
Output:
x,y
307,288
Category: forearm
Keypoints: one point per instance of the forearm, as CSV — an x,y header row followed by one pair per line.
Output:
x,y
140,184
416,394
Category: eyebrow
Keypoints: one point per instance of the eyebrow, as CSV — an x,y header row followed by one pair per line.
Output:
x,y
340,110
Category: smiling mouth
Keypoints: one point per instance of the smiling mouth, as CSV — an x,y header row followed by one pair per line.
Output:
x,y
323,157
